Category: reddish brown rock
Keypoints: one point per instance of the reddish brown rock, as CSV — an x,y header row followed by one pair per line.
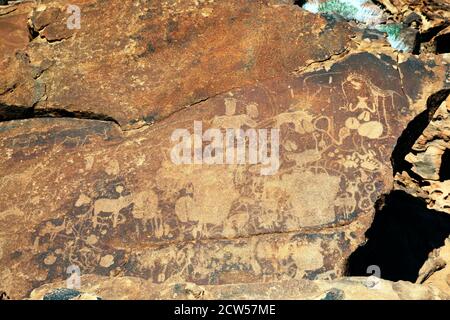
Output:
x,y
155,59
430,17
13,29
17,86
429,177
114,203
436,270
428,14
111,201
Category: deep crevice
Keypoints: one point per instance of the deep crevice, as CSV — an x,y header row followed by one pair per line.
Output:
x,y
300,3
32,33
403,233
427,36
442,43
10,113
413,131
444,171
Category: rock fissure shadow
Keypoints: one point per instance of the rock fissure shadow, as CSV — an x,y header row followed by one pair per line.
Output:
x,y
428,36
444,171
443,44
300,3
404,231
413,131
10,113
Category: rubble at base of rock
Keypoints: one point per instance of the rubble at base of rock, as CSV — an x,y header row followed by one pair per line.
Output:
x,y
357,288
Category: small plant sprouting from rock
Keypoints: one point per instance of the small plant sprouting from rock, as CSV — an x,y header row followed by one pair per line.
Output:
x,y
337,6
362,11
392,30
394,36
367,14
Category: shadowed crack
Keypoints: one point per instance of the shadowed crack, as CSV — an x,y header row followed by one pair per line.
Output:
x,y
427,37
10,113
404,231
444,171
300,3
443,43
13,112
333,57
413,131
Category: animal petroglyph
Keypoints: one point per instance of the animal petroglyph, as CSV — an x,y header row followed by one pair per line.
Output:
x,y
125,208
236,121
145,206
197,205
301,119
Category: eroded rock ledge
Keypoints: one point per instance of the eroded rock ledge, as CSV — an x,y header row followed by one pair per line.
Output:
x,y
137,288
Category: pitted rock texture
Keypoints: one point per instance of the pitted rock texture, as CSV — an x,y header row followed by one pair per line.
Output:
x,y
91,191
13,28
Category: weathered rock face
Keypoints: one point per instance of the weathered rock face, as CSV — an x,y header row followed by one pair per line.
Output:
x,y
155,59
428,176
430,18
13,28
90,191
426,14
411,26
112,203
436,270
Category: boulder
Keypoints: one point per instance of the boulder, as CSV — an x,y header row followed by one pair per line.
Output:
x,y
436,270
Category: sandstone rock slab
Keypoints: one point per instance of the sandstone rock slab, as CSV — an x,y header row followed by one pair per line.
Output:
x,y
88,191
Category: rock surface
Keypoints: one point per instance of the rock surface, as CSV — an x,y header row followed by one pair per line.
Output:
x,y
410,26
430,163
155,59
87,175
436,270
342,289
